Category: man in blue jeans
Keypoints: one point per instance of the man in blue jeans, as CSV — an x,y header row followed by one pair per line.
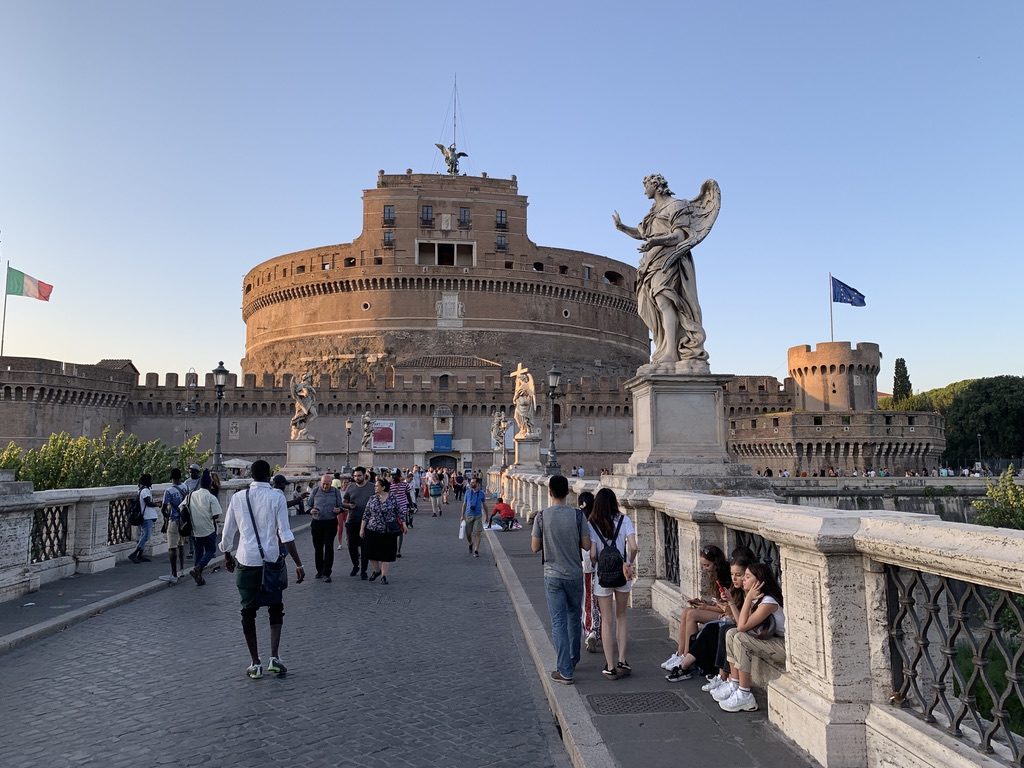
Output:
x,y
561,532
473,511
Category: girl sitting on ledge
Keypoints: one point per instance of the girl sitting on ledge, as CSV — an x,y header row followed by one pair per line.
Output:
x,y
760,628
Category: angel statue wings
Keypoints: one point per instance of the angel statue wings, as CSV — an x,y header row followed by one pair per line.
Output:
x,y
666,285
305,406
451,157
524,403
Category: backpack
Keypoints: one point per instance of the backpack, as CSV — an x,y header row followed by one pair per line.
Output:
x,y
436,489
185,516
610,561
135,516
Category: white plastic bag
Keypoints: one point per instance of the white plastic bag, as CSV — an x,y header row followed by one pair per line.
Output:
x,y
462,529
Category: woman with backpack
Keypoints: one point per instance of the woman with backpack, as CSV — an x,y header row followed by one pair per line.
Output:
x,y
613,551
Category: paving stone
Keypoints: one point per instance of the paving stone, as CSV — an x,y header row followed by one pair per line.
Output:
x,y
417,678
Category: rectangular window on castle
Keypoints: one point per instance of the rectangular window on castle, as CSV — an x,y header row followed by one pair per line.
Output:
x,y
501,219
389,215
501,243
427,216
464,219
588,271
817,421
389,239
775,422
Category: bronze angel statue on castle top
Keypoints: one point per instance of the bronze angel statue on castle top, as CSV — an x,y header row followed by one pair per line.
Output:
x,y
451,157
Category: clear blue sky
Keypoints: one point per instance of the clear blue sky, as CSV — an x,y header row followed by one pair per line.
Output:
x,y
151,153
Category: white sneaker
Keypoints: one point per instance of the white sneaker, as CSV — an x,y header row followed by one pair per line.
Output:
x,y
672,661
740,701
711,684
725,690
169,579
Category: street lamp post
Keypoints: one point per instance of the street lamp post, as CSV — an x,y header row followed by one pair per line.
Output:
x,y
554,378
979,452
220,378
503,426
348,445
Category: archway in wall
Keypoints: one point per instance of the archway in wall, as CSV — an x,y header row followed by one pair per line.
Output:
x,y
443,461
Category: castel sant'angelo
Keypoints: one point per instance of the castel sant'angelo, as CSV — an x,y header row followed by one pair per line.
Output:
x,y
419,321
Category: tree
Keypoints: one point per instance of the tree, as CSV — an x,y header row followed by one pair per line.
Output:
x,y
1003,505
992,408
901,388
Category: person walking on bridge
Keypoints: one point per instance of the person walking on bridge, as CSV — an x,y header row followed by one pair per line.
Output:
x,y
560,532
256,520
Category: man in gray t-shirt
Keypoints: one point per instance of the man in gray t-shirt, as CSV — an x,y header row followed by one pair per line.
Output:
x,y
357,494
560,532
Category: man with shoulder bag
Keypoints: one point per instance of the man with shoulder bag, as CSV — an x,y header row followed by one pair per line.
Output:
x,y
256,527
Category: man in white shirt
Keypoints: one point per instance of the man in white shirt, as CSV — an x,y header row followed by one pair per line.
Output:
x,y
270,512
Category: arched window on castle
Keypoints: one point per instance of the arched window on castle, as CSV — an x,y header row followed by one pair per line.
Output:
x,y
442,381
557,410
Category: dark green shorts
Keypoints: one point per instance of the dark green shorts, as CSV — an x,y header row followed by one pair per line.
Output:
x,y
249,579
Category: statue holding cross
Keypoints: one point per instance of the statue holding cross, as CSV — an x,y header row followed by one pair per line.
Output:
x,y
524,403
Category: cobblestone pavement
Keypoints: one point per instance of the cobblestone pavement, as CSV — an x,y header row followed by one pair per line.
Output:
x,y
428,670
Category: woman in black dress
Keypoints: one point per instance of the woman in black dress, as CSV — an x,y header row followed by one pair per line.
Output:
x,y
382,523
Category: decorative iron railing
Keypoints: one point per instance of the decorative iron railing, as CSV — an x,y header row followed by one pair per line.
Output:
x,y
118,530
956,656
765,551
49,537
670,534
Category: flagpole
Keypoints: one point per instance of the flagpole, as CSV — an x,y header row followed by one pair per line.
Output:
x,y
831,327
3,325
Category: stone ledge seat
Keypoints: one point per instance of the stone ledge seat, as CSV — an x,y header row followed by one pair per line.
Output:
x,y
763,670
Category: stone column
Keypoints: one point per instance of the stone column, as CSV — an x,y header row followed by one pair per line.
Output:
x,y
822,699
16,510
527,458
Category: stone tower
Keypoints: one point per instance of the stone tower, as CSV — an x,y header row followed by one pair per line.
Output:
x,y
834,377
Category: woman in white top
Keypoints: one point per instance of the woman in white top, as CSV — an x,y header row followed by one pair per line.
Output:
x,y
608,526
763,622
205,510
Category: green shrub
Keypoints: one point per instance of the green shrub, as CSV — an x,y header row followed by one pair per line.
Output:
x,y
81,462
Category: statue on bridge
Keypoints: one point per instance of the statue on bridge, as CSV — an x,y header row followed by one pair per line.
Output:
x,y
524,403
367,430
666,285
305,406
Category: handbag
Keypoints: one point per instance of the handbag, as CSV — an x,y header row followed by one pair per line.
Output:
x,y
765,630
462,529
275,573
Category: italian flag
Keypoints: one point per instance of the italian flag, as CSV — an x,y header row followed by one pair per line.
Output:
x,y
20,284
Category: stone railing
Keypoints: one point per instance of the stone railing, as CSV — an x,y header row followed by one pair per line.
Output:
x,y
49,535
904,632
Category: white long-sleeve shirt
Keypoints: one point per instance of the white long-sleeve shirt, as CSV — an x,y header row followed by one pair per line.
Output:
x,y
271,512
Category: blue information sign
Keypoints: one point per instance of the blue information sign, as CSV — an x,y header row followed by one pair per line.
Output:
x,y
442,442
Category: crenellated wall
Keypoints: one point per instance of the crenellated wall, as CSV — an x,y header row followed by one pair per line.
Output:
x,y
835,377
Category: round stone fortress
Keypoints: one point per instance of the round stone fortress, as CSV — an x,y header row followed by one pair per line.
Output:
x,y
443,265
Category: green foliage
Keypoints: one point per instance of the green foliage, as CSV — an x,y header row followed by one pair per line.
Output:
x,y
1003,505
993,408
80,462
901,388
996,671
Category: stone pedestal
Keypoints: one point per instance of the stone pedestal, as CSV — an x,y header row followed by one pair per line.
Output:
x,y
366,460
300,457
528,454
679,438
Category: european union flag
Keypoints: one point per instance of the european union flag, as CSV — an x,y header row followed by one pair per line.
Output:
x,y
844,294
